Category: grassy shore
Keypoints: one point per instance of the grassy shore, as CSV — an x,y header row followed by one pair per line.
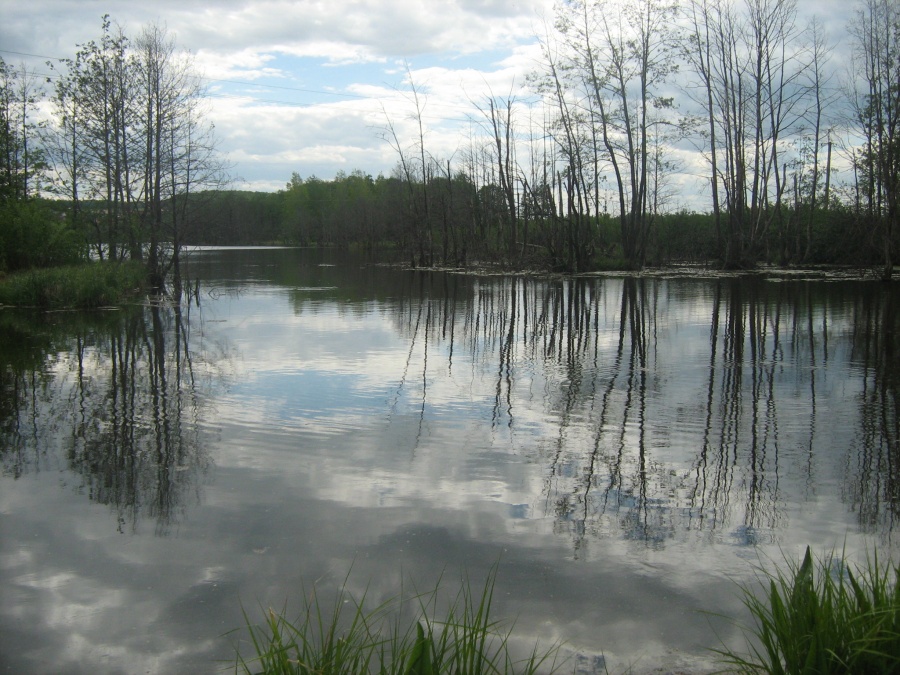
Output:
x,y
814,618
84,286
823,617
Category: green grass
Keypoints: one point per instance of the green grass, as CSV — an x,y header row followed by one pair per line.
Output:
x,y
83,286
344,637
823,617
816,617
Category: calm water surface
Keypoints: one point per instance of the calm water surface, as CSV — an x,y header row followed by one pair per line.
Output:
x,y
625,447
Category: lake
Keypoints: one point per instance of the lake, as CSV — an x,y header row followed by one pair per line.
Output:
x,y
625,449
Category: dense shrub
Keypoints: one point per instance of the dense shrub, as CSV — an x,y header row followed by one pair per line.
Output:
x,y
32,235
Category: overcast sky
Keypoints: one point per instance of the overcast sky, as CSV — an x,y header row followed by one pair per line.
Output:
x,y
307,86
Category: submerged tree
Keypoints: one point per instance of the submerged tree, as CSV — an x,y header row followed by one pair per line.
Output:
x,y
749,63
606,78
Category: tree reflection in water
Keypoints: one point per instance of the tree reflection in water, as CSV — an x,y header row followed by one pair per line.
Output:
x,y
113,397
649,436
653,406
873,464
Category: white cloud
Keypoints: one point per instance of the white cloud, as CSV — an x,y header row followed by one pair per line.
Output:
x,y
247,64
305,85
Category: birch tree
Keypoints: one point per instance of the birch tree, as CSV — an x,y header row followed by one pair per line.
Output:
x,y
94,125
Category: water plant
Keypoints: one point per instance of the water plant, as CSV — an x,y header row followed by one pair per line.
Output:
x,y
344,637
824,616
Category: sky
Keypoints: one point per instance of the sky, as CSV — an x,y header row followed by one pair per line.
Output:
x,y
310,86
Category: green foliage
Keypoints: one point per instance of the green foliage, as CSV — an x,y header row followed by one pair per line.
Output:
x,y
825,617
337,641
84,286
356,211
233,218
839,237
31,235
683,237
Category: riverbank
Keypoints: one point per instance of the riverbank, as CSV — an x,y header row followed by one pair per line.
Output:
x,y
85,286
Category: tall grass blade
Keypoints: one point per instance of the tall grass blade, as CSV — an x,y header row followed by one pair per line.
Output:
x,y
465,641
420,658
823,618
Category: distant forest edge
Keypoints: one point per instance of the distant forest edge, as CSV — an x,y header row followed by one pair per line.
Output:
x,y
133,165
466,227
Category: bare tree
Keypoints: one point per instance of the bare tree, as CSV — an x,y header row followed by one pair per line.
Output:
x,y
876,35
569,243
698,50
415,170
22,159
821,97
622,58
498,114
178,148
749,61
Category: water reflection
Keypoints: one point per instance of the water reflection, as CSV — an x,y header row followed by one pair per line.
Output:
x,y
626,445
873,465
669,405
113,397
654,406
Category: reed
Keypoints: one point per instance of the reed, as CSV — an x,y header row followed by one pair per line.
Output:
x,y
823,617
343,637
83,286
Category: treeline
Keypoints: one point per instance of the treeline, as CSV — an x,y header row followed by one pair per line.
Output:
x,y
588,172
467,226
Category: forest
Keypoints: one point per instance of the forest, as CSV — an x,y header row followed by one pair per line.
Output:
x,y
127,164
466,227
